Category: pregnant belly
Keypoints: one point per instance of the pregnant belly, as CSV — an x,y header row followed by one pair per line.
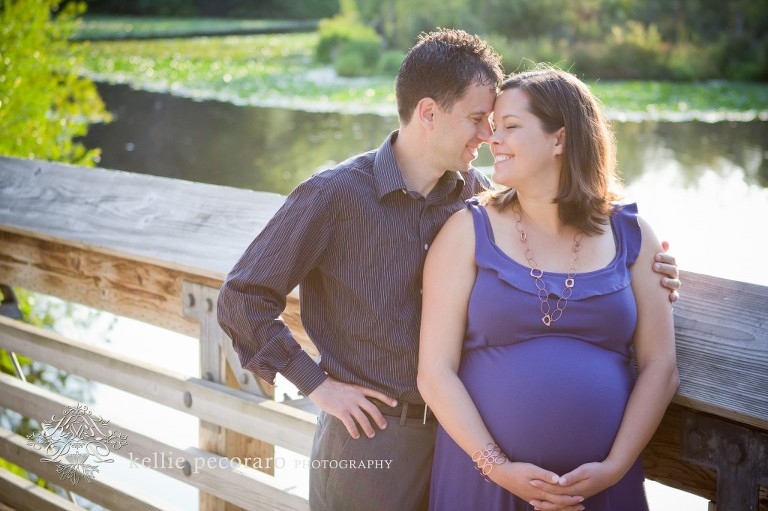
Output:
x,y
554,402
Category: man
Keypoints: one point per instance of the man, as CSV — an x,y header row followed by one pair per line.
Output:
x,y
354,237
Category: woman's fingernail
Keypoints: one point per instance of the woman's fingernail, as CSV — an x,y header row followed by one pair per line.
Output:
x,y
657,266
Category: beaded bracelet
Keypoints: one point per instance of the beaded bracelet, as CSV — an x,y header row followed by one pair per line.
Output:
x,y
486,458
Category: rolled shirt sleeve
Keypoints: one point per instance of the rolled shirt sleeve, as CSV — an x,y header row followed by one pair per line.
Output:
x,y
254,293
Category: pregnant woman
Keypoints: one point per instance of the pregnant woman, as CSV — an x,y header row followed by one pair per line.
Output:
x,y
535,298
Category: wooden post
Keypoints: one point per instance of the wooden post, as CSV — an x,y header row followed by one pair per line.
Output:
x,y
739,454
219,363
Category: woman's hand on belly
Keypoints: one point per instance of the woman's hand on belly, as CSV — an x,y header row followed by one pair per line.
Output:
x,y
586,480
519,478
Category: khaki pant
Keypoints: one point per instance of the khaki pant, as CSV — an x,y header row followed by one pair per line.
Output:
x,y
389,472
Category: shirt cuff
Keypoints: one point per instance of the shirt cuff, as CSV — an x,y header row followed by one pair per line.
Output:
x,y
304,373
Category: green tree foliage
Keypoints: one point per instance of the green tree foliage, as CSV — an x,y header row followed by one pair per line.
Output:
x,y
275,9
44,104
731,35
658,39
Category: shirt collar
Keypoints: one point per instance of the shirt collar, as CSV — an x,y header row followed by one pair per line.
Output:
x,y
388,177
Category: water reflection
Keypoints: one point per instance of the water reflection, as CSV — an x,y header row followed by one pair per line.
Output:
x,y
697,147
700,184
268,149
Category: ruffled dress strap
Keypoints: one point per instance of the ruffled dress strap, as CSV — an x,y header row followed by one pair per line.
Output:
x,y
627,230
484,240
613,277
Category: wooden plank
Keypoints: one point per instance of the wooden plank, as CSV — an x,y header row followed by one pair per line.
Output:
x,y
245,413
303,403
116,283
233,481
151,219
24,495
722,348
213,367
103,489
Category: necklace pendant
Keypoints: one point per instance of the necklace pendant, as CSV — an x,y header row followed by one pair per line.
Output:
x,y
546,319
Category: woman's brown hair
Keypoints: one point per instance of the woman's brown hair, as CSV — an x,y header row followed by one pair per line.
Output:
x,y
588,181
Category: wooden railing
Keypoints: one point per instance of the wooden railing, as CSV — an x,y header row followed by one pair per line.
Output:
x,y
157,250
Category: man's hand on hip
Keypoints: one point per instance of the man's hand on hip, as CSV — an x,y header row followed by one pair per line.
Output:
x,y
349,404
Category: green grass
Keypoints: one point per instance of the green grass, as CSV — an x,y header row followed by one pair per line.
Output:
x,y
278,70
256,70
713,101
126,27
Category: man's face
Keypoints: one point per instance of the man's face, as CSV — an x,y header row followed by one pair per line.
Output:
x,y
461,132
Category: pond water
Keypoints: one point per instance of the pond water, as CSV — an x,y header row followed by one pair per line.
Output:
x,y
701,185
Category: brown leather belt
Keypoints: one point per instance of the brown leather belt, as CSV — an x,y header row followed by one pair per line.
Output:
x,y
405,410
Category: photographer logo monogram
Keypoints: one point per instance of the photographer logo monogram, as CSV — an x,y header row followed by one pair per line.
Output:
x,y
77,443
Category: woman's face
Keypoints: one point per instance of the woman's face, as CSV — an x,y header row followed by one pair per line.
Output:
x,y
525,156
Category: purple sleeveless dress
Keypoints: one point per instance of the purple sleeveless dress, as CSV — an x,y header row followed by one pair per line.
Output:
x,y
553,396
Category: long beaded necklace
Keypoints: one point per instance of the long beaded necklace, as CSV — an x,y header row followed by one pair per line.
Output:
x,y
549,316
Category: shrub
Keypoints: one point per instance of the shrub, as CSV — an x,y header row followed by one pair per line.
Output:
x,y
357,58
691,62
591,60
341,29
350,62
389,63
742,58
522,54
630,52
636,51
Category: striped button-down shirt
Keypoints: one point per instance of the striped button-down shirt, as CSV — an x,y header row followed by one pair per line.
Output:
x,y
354,239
